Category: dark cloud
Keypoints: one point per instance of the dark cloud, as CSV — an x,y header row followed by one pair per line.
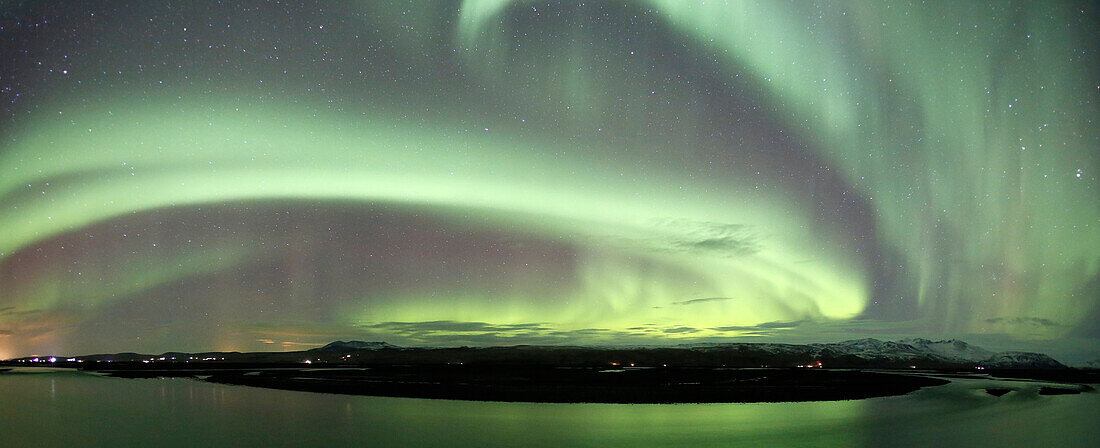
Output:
x,y
699,237
436,326
731,246
1032,321
702,300
730,240
13,311
584,332
450,333
764,327
474,333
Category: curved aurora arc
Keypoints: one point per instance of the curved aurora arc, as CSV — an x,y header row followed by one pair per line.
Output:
x,y
186,221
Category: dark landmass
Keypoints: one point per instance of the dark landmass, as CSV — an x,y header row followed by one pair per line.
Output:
x,y
589,385
997,391
685,374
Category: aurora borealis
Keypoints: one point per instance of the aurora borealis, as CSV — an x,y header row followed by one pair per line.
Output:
x,y
272,175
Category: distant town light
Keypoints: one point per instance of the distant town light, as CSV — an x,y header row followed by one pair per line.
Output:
x,y
53,359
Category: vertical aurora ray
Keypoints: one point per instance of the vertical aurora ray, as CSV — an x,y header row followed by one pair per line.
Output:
x,y
964,122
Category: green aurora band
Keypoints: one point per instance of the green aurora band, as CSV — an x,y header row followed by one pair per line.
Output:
x,y
957,138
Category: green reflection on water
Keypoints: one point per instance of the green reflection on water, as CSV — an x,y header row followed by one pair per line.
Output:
x,y
75,409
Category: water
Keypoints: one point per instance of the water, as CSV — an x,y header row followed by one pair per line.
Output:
x,y
78,409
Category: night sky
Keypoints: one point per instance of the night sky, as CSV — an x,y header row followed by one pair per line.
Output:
x,y
273,175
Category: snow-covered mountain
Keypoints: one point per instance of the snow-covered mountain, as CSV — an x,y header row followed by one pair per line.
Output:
x,y
1016,360
339,346
951,349
922,353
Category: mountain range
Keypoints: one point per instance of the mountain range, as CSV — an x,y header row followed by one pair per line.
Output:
x,y
860,353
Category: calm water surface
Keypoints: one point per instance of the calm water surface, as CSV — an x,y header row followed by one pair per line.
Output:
x,y
78,409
